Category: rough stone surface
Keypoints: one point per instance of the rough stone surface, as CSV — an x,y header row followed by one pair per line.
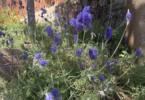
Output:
x,y
7,51
85,2
93,4
75,1
102,3
8,70
72,14
136,29
78,8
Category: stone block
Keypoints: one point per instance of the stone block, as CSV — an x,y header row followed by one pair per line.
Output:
x,y
7,70
93,4
102,3
77,8
75,2
85,2
72,14
7,51
9,60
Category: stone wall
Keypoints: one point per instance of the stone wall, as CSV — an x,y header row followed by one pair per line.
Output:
x,y
23,12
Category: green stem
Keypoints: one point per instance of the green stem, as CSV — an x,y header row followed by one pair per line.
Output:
x,y
118,44
84,36
115,50
128,68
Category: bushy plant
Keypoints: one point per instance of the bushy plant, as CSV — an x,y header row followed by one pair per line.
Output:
x,y
8,16
74,66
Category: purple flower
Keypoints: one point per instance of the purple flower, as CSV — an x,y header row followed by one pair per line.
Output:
x,y
49,96
57,40
93,66
95,51
41,9
15,32
79,26
134,49
20,2
53,48
91,55
1,54
89,26
128,15
15,3
57,23
67,34
87,18
82,64
7,43
9,4
58,33
53,3
73,22
101,32
56,15
92,78
24,32
65,25
63,18
1,33
86,9
43,62
125,37
24,57
108,33
107,85
31,19
110,67
55,93
102,78
80,17
116,61
111,15
92,33
49,31
10,39
75,38
108,63
38,56
142,36
45,19
79,52
138,52
91,45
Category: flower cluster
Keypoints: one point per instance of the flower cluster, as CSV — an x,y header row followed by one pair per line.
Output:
x,y
24,57
38,56
83,20
79,52
92,54
49,96
109,64
108,33
55,93
138,53
43,62
49,31
57,40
